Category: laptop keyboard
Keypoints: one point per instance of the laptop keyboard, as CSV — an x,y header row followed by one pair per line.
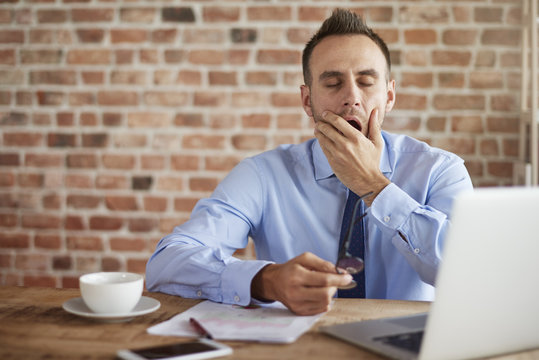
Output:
x,y
408,341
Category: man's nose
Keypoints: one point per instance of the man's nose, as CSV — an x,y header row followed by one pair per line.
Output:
x,y
351,96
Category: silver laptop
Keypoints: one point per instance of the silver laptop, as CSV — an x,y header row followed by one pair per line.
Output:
x,y
487,289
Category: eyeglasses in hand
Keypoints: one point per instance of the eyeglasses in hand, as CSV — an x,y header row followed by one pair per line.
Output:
x,y
345,261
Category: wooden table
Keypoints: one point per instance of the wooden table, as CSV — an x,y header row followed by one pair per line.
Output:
x,y
33,325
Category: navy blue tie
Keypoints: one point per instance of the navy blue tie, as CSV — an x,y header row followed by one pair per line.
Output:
x,y
357,245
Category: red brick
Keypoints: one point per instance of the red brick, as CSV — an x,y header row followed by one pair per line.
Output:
x,y
117,98
420,80
105,223
289,121
152,162
411,102
133,77
456,58
61,140
166,98
91,35
420,36
130,140
186,77
83,161
467,124
111,182
62,262
32,262
269,13
138,15
11,36
74,223
256,121
222,78
112,161
489,147
249,142
206,57
14,240
278,57
137,265
251,99
207,98
119,36
261,78
51,16
286,100
169,183
127,244
204,36
189,120
184,162
7,179
48,241
9,159
312,13
457,145
221,163
488,14
121,203
462,102
80,201
155,204
502,169
22,139
202,184
221,14
401,123
506,103
44,160
164,36
30,180
111,264
89,57
42,56
506,125
39,221
459,37
91,243
8,220
486,80
451,80
92,15
142,224
508,37
203,141
148,119
418,14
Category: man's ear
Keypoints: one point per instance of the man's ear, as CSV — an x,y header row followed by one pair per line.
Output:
x,y
391,95
306,100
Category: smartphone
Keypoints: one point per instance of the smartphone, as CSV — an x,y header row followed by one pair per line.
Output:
x,y
192,350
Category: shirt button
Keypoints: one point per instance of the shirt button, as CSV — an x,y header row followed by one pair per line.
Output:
x,y
199,293
416,250
387,218
236,298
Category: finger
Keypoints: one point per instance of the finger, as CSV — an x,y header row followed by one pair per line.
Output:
x,y
313,262
341,125
375,131
319,279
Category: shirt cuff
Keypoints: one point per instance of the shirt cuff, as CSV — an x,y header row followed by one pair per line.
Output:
x,y
236,280
388,217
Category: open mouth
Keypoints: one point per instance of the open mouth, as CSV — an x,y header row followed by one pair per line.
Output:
x,y
355,124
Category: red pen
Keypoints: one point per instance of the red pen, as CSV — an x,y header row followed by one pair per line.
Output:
x,y
200,329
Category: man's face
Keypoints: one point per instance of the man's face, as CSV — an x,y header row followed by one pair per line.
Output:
x,y
349,78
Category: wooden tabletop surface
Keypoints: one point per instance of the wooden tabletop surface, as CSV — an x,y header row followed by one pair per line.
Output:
x,y
33,325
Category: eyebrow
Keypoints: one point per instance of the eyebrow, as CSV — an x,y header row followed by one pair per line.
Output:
x,y
332,74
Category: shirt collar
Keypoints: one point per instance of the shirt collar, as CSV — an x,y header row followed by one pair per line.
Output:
x,y
322,170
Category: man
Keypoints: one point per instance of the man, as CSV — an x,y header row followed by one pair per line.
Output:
x,y
291,200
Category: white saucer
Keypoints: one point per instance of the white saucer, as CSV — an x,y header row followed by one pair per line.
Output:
x,y
77,306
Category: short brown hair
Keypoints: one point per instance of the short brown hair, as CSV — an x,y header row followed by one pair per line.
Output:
x,y
341,22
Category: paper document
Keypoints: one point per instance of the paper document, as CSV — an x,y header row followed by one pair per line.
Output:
x,y
264,323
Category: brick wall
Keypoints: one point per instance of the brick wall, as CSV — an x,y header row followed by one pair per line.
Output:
x,y
116,116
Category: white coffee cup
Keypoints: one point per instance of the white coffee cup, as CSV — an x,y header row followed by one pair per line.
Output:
x,y
111,292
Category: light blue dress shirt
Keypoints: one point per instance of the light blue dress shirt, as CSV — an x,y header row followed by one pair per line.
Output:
x,y
289,201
